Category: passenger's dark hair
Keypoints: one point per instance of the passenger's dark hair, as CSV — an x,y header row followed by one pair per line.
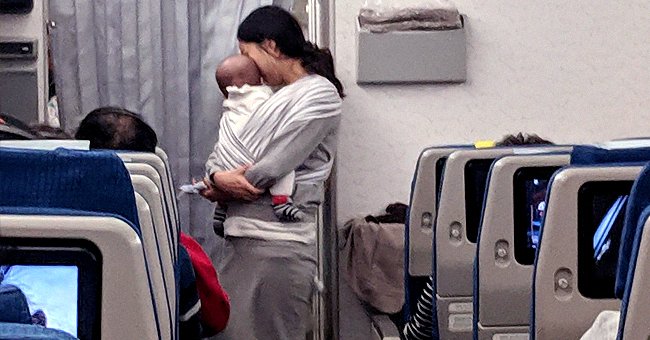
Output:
x,y
523,139
275,23
117,129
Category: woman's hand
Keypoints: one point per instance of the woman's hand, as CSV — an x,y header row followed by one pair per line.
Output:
x,y
211,193
235,184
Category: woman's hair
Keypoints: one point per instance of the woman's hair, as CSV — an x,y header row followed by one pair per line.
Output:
x,y
274,23
523,139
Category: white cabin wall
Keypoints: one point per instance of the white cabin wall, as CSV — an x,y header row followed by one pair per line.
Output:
x,y
571,71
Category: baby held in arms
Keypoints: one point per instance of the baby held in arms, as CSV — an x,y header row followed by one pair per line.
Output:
x,y
240,81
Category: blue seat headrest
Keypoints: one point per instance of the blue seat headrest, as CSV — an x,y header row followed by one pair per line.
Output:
x,y
589,155
16,331
638,201
95,181
13,305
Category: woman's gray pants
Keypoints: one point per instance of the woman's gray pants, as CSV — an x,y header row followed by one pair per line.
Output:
x,y
270,285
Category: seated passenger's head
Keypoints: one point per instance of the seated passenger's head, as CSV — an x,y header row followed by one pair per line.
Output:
x,y
117,129
523,139
237,70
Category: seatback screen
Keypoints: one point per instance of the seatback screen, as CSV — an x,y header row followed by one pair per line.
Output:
x,y
529,189
601,213
476,174
50,291
16,6
440,168
60,280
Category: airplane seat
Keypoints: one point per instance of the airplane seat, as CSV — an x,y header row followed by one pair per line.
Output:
x,y
612,153
81,181
167,190
573,280
100,252
151,176
454,239
635,307
638,201
171,203
456,233
67,179
171,200
13,304
157,209
507,241
170,179
423,204
146,170
157,250
591,155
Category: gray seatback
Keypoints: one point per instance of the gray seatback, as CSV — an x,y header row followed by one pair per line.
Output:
x,y
155,266
454,252
126,309
504,284
171,200
167,191
155,222
149,172
422,211
561,311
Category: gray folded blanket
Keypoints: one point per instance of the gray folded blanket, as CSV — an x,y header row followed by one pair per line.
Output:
x,y
409,19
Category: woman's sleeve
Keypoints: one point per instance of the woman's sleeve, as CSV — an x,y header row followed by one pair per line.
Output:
x,y
288,152
290,149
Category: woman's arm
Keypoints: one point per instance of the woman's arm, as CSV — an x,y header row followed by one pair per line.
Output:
x,y
213,194
229,185
283,155
290,150
315,116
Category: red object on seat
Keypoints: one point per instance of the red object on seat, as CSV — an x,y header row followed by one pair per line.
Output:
x,y
215,305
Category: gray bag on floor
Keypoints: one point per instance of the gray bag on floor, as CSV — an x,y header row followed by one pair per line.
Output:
x,y
375,263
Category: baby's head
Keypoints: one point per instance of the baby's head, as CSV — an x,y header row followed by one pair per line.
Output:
x,y
237,70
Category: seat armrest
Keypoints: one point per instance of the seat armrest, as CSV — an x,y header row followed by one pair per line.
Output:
x,y
384,328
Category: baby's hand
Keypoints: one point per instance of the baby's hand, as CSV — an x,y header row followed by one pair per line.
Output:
x,y
194,188
207,190
201,185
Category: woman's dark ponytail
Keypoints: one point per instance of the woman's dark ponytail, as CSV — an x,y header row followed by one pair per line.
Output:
x,y
319,61
275,23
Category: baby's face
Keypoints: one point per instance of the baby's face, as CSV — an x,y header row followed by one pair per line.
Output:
x,y
246,76
238,71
